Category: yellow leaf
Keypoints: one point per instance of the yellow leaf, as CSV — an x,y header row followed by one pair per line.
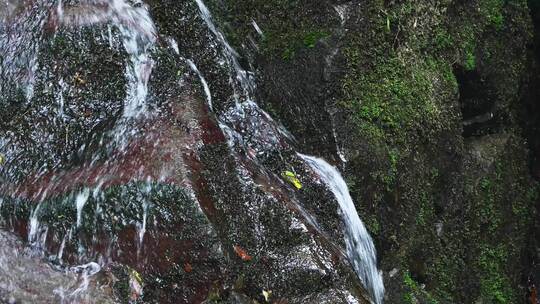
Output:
x,y
291,178
136,275
267,295
2,158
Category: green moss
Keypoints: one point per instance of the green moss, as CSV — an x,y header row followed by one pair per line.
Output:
x,y
489,214
502,209
373,225
288,25
492,11
408,281
443,39
400,96
312,37
398,92
470,60
408,298
414,291
289,44
426,210
446,273
394,98
494,284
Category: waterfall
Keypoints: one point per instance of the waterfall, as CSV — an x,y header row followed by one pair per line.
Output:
x,y
360,248
259,131
242,75
139,36
242,121
245,121
20,33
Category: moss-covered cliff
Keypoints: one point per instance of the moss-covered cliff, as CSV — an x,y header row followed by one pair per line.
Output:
x,y
425,100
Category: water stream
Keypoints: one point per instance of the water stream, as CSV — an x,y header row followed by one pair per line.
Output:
x,y
360,248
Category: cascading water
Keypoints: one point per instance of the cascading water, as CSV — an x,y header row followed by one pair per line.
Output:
x,y
203,81
23,29
245,120
360,248
260,132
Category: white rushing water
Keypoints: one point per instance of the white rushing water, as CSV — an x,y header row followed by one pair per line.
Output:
x,y
245,123
86,271
80,201
20,33
242,76
360,248
139,36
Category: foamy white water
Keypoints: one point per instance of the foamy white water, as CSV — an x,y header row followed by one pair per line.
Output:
x,y
86,271
34,225
138,36
360,248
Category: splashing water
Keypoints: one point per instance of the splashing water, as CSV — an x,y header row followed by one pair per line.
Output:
x,y
142,227
360,248
80,201
138,34
245,124
86,271
34,225
257,28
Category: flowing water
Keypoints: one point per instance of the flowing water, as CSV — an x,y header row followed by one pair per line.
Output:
x,y
360,248
251,134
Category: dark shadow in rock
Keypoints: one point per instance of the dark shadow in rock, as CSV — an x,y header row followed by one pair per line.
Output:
x,y
477,103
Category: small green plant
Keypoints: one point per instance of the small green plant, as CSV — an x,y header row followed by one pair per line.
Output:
x,y
470,60
415,291
492,11
497,20
494,285
288,53
311,38
443,40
